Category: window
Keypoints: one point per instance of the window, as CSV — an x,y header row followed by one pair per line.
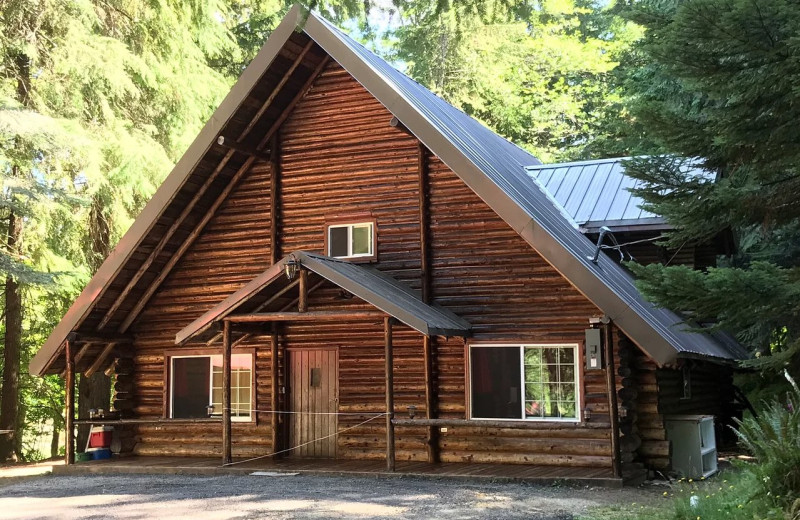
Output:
x,y
196,384
531,382
351,240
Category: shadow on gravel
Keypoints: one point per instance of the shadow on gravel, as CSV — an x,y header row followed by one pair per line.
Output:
x,y
223,497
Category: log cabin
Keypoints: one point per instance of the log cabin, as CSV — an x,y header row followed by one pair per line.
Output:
x,y
343,266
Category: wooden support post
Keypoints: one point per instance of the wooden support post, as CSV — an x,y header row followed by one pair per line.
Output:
x,y
424,222
302,301
274,389
69,419
226,393
389,355
611,383
432,437
432,434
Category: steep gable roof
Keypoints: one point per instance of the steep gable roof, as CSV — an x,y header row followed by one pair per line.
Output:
x,y
490,165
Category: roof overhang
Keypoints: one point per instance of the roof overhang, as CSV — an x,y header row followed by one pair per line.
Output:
x,y
374,287
491,166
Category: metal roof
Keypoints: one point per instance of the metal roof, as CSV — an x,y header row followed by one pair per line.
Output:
x,y
374,287
597,193
490,165
496,170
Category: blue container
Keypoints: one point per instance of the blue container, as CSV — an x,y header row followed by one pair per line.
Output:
x,y
102,453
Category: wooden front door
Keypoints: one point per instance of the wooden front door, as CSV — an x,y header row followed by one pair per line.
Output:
x,y
313,394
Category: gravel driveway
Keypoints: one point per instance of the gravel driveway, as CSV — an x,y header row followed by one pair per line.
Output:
x,y
245,496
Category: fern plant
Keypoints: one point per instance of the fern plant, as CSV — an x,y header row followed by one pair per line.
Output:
x,y
774,440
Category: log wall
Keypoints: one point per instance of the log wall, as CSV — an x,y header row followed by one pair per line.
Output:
x,y
340,156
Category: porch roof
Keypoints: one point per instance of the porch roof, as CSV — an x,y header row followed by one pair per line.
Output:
x,y
374,287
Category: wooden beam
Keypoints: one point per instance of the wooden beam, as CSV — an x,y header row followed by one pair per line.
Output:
x,y
226,393
611,384
274,390
98,362
164,272
283,309
432,433
501,423
82,352
306,316
278,87
233,144
104,338
300,94
389,364
258,309
162,243
302,298
274,200
69,400
424,223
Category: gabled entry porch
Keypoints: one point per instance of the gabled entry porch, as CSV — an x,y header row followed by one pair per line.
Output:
x,y
303,408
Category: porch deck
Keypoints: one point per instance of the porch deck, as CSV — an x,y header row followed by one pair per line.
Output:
x,y
211,466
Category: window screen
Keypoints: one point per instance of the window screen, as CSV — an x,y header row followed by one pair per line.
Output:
x,y
337,241
495,383
524,382
197,383
190,386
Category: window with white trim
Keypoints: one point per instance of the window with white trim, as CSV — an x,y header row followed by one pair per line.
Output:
x,y
526,382
351,240
196,386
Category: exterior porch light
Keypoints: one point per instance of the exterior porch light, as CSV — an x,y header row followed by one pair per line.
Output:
x,y
412,411
290,268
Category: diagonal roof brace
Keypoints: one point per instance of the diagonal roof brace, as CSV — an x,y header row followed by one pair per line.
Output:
x,y
374,287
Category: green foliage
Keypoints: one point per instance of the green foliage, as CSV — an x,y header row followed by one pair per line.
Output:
x,y
714,81
537,76
774,440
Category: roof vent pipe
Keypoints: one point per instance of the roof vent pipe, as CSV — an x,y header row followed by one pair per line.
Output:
x,y
603,232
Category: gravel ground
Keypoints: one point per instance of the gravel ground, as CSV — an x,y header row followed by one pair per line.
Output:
x,y
245,496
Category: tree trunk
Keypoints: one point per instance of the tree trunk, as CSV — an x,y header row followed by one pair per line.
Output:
x,y
94,391
54,440
10,440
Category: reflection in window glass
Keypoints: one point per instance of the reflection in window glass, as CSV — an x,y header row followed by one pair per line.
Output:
x,y
351,240
547,373
337,241
197,383
362,239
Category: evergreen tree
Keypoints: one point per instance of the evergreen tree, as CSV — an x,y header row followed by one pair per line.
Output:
x,y
535,73
715,82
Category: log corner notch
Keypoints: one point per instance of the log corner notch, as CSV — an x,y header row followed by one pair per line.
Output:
x,y
611,383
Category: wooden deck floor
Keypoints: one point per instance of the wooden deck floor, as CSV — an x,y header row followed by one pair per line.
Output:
x,y
208,466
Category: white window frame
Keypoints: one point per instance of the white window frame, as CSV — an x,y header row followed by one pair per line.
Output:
x,y
171,367
522,346
370,225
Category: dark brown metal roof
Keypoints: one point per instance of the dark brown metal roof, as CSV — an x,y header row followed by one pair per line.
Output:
x,y
374,287
491,166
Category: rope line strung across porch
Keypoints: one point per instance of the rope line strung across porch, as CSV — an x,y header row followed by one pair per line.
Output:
x,y
309,442
304,413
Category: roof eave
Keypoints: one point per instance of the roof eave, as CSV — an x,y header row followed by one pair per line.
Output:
x,y
111,267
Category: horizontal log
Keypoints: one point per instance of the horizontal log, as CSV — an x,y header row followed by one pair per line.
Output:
x,y
522,425
146,421
305,316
